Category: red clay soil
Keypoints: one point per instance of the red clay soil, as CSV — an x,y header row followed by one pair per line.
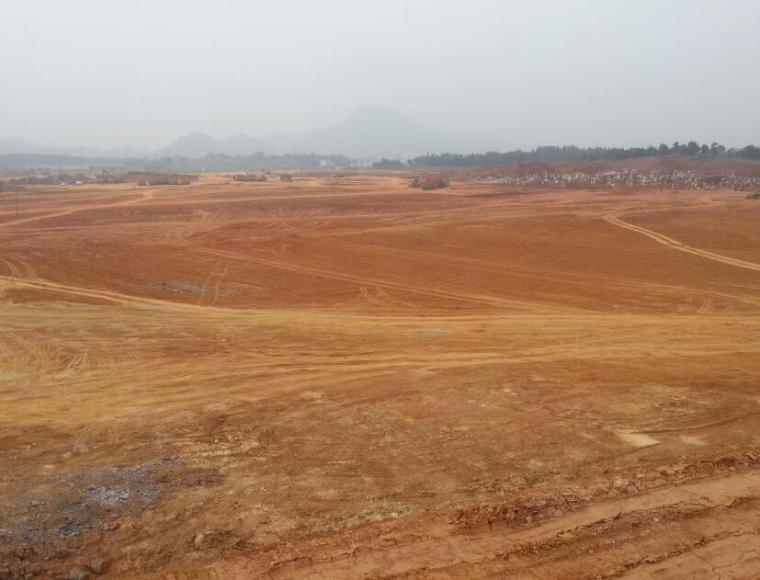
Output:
x,y
342,377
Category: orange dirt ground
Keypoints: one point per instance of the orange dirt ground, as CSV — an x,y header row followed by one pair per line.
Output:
x,y
341,378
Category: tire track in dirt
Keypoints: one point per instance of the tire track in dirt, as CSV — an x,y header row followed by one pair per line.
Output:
x,y
552,276
148,195
430,546
81,291
615,220
386,284
17,267
144,196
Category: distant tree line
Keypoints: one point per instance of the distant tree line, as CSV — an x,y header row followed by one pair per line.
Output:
x,y
389,164
260,161
549,154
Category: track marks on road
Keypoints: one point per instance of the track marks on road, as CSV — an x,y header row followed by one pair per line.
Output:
x,y
616,220
429,546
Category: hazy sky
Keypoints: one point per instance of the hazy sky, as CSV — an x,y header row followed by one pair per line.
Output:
x,y
518,72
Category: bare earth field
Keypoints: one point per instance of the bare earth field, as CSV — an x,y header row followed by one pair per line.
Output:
x,y
342,377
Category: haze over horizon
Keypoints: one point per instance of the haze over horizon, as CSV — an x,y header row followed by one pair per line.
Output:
x,y
501,74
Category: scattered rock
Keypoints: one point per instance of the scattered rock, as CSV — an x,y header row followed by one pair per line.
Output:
x,y
621,484
98,564
78,574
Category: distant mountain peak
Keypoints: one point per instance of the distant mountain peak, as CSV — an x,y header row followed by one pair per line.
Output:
x,y
383,118
197,135
198,144
371,131
194,144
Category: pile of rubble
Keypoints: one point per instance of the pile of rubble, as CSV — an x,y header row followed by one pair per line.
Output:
x,y
631,178
256,177
428,183
66,179
147,179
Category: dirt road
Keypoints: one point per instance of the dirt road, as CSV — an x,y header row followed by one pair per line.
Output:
x,y
681,247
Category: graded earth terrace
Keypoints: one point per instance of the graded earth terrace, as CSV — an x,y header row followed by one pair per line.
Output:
x,y
341,377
